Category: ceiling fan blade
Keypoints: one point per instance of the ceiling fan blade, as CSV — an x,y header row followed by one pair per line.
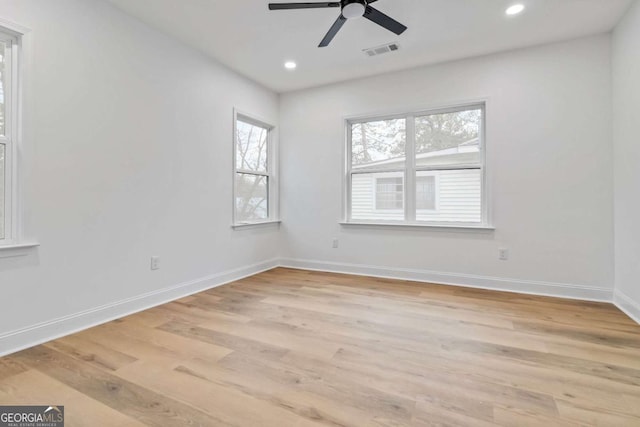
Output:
x,y
333,31
286,6
374,15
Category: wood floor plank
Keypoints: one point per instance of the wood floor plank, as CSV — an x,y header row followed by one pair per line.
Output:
x,y
300,348
586,415
278,335
96,354
609,338
438,381
10,366
413,328
320,378
152,343
429,414
283,391
597,369
516,417
131,399
80,409
189,311
230,406
253,346
561,384
417,307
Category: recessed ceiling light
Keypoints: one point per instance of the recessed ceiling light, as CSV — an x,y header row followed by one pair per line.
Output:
x,y
290,65
515,9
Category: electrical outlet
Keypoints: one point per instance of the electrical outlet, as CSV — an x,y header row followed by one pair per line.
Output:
x,y
503,254
155,263
336,243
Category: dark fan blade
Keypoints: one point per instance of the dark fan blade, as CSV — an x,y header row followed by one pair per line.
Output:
x,y
333,31
374,15
285,6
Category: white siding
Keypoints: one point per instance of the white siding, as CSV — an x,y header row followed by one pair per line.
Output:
x,y
458,198
363,198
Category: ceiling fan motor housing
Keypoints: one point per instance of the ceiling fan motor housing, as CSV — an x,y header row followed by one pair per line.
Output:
x,y
353,8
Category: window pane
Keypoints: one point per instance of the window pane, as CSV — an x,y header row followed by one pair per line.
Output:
x,y
448,139
2,87
380,143
425,191
252,197
251,147
377,196
2,190
449,196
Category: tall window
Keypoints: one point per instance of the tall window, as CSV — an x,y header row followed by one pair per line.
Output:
x,y
254,188
8,85
418,168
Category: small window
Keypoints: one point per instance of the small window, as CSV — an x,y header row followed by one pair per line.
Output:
x,y
253,172
417,168
389,193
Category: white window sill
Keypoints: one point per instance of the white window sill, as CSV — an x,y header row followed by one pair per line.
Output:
x,y
255,224
443,227
16,250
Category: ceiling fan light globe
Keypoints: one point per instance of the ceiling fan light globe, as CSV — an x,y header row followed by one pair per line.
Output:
x,y
353,10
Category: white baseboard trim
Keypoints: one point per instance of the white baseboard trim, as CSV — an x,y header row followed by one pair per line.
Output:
x,y
30,336
530,287
630,307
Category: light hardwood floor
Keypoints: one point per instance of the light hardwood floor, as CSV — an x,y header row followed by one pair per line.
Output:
x,y
299,348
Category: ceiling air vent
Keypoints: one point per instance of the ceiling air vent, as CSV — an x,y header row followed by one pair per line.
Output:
x,y
379,50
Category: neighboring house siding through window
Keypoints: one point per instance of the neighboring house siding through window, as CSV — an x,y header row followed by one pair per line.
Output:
x,y
389,193
426,193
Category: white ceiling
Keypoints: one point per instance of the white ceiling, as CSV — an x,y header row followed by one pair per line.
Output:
x,y
247,37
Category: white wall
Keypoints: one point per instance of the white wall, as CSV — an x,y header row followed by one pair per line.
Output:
x,y
549,163
626,90
128,147
127,155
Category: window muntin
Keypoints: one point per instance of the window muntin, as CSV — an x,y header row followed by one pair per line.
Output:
x,y
439,155
253,171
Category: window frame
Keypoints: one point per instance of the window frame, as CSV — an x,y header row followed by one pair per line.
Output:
x,y
410,170
10,138
270,174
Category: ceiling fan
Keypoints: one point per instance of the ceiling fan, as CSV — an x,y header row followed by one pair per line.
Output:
x,y
350,9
